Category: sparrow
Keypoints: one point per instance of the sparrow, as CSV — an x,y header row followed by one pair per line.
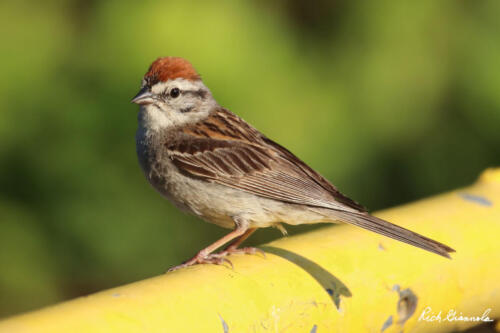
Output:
x,y
209,162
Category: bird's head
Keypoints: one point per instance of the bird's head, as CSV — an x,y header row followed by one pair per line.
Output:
x,y
173,94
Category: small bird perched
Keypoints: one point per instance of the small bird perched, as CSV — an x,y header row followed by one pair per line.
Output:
x,y
210,162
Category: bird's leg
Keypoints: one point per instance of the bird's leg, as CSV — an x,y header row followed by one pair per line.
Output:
x,y
237,242
232,248
206,256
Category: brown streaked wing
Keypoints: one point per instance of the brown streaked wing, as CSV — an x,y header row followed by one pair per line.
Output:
x,y
236,155
232,165
315,176
241,130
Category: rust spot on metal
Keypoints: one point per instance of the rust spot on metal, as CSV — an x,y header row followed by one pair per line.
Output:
x,y
225,327
407,304
387,324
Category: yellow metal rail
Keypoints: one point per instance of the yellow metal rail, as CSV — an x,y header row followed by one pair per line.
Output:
x,y
336,279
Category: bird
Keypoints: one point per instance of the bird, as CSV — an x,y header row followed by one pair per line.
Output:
x,y
211,163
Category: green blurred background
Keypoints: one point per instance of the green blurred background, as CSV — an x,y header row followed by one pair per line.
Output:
x,y
390,100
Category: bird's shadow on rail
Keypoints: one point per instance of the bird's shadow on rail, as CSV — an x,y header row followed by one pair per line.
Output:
x,y
332,285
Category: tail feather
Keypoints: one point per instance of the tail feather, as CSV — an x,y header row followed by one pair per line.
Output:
x,y
385,228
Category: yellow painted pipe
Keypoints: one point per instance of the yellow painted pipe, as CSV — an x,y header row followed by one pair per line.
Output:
x,y
336,279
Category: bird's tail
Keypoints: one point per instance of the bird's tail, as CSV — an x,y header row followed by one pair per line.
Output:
x,y
375,224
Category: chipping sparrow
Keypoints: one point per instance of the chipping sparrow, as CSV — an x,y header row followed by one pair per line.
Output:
x,y
211,163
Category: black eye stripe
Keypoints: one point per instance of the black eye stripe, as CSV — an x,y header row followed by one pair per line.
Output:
x,y
175,92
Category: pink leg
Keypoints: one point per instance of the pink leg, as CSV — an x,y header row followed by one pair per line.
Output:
x,y
237,242
206,256
232,248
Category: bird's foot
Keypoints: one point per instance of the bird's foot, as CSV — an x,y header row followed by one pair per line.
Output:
x,y
218,258
242,250
202,258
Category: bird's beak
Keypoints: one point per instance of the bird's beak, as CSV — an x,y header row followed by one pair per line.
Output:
x,y
143,97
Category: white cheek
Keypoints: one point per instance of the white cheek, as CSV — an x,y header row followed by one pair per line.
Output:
x,y
152,118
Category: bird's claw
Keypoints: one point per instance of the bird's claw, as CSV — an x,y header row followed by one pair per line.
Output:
x,y
217,258
213,258
243,250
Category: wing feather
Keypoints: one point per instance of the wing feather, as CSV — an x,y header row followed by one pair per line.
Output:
x,y
226,150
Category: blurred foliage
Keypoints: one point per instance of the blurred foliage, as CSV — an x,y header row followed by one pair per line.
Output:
x,y
390,100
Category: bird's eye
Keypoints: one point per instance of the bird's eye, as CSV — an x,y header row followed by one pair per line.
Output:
x,y
175,92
